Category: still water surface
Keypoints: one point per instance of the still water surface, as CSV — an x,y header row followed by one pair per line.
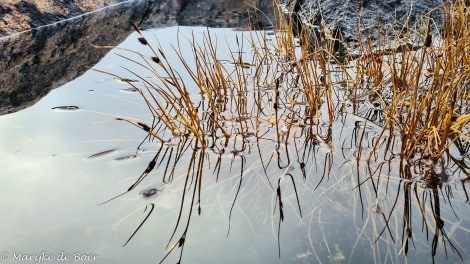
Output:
x,y
59,164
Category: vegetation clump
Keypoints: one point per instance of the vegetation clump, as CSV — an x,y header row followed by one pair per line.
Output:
x,y
405,106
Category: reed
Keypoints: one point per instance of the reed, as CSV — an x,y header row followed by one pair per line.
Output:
x,y
424,92
409,106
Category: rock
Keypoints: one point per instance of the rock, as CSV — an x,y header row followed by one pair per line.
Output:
x,y
214,13
22,15
233,13
340,19
44,44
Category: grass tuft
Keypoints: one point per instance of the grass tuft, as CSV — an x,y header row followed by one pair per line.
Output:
x,y
406,103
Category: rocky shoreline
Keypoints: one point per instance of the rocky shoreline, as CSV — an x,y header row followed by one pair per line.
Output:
x,y
338,21
47,43
43,48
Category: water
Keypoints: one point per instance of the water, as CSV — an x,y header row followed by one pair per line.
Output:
x,y
66,155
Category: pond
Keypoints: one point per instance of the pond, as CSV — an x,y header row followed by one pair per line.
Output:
x,y
79,180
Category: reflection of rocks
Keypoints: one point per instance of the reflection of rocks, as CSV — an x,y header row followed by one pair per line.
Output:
x,y
46,43
213,13
54,50
340,17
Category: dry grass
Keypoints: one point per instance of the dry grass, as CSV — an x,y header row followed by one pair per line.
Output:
x,y
421,87
413,99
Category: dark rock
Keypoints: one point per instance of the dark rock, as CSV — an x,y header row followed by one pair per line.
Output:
x,y
47,43
20,15
215,13
340,19
45,56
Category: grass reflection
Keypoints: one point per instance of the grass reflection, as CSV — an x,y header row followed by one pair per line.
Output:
x,y
362,155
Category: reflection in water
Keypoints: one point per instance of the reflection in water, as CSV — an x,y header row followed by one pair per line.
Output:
x,y
36,61
383,208
149,193
102,153
129,157
332,186
66,108
213,13
418,208
301,188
